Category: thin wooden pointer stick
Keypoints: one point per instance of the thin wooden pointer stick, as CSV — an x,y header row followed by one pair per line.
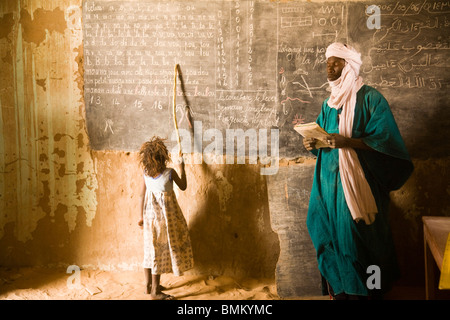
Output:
x,y
174,108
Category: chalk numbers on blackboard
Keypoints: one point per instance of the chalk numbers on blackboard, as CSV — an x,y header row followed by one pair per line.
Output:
x,y
95,101
157,105
115,102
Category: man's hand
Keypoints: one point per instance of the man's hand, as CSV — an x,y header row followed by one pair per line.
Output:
x,y
336,141
309,143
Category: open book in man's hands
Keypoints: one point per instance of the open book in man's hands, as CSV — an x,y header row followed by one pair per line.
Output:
x,y
313,130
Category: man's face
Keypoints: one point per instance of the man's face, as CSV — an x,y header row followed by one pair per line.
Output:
x,y
334,67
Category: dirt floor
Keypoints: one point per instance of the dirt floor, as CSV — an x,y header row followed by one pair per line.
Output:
x,y
57,284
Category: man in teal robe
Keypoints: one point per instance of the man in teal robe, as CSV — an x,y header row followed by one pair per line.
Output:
x,y
356,258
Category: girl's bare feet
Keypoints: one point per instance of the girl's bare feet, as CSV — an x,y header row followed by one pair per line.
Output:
x,y
161,296
149,289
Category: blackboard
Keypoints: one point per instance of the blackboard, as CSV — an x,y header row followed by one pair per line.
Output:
x,y
297,272
255,65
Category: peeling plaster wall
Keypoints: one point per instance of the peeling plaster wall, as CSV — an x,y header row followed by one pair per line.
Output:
x,y
62,203
46,166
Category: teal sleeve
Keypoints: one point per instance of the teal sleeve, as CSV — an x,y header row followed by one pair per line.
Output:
x,y
391,165
320,121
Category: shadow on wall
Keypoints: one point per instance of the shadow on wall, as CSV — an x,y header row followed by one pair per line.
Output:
x,y
424,194
227,211
226,207
426,191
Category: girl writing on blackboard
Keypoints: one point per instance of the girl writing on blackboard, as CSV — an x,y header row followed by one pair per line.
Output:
x,y
167,246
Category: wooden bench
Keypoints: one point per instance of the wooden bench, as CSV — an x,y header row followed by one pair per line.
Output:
x,y
435,232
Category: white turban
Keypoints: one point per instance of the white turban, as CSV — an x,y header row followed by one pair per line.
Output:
x,y
358,194
346,52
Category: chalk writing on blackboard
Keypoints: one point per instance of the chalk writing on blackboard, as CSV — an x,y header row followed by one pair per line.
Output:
x,y
255,65
130,50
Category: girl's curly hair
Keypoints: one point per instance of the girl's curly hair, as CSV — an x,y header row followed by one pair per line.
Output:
x,y
153,156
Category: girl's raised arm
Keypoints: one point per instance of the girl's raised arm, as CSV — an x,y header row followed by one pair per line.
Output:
x,y
180,181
